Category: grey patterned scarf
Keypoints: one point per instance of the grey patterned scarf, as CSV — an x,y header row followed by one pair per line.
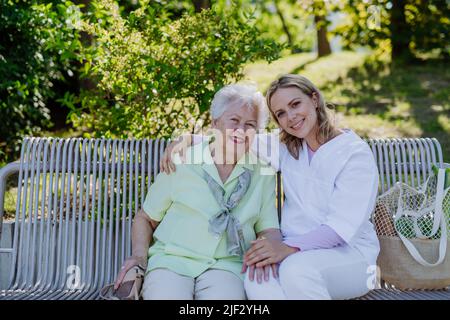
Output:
x,y
224,220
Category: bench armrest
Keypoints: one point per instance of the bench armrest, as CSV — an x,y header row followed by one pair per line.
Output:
x,y
5,172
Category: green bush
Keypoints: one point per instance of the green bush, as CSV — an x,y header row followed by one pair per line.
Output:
x,y
153,75
38,44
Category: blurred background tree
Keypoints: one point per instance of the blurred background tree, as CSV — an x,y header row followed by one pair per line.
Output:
x,y
404,29
319,10
282,20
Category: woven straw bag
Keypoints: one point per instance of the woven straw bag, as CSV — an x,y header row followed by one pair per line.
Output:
x,y
412,227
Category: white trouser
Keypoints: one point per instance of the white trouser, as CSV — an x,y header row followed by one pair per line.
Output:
x,y
213,284
337,273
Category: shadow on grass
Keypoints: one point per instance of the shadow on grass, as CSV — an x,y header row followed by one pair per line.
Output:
x,y
302,67
421,91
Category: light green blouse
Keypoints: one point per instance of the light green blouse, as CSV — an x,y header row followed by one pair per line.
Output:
x,y
183,203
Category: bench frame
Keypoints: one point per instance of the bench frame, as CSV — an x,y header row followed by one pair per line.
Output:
x,y
90,190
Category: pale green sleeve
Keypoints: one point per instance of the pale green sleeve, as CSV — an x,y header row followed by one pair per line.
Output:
x,y
268,217
159,197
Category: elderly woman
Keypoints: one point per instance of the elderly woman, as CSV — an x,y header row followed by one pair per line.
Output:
x,y
204,217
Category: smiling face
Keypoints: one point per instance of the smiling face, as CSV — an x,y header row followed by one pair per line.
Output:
x,y
235,130
295,112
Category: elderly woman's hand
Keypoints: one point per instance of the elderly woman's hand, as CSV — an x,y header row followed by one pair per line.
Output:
x,y
264,252
177,146
127,265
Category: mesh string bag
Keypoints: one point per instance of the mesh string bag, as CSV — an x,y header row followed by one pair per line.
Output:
x,y
413,229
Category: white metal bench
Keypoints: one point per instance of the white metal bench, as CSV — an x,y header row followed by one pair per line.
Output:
x,y
77,197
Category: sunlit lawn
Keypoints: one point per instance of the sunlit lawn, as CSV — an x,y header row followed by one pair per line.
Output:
x,y
374,99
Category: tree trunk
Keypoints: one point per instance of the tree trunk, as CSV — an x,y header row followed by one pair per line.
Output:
x,y
400,32
323,45
72,84
199,5
87,40
284,24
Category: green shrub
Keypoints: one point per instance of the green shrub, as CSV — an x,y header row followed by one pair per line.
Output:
x,y
38,44
153,75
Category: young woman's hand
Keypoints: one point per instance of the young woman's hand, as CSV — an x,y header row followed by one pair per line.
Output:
x,y
261,272
177,146
264,252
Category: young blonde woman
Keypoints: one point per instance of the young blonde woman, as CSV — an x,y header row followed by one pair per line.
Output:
x,y
330,182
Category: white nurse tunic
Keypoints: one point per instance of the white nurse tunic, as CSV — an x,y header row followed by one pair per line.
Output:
x,y
337,188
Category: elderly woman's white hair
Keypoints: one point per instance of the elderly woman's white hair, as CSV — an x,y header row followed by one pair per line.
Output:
x,y
244,94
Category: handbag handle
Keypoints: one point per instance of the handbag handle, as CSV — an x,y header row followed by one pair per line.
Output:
x,y
438,215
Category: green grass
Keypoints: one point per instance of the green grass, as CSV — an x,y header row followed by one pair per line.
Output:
x,y
10,198
375,98
319,71
263,73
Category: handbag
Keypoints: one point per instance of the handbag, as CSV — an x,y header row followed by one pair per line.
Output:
x,y
413,230
130,288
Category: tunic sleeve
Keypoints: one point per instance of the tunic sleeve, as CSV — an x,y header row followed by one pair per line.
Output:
x,y
354,195
324,237
266,146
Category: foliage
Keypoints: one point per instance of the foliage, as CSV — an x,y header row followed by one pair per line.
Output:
x,y
299,22
38,43
368,23
154,75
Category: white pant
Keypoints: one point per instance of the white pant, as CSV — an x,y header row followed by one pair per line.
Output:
x,y
337,273
213,284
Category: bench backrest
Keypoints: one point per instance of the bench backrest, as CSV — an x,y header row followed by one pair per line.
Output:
x,y
76,201
77,198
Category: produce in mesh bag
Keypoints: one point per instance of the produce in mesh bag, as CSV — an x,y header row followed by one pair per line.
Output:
x,y
446,201
411,200
447,175
405,226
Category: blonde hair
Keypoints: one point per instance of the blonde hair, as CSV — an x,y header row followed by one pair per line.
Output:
x,y
326,128
246,94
